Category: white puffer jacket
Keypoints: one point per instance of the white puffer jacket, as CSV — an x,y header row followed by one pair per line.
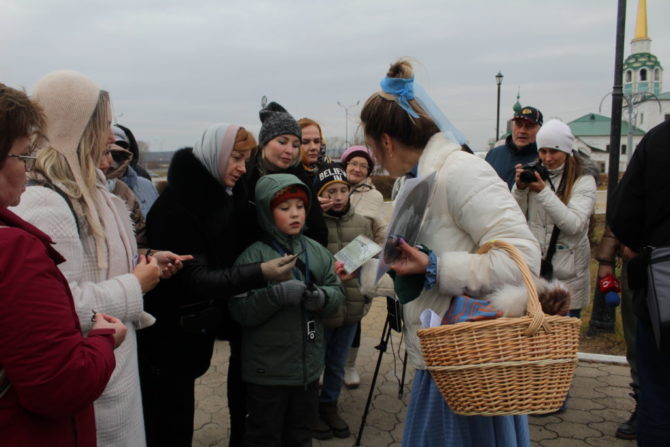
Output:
x,y
573,252
470,207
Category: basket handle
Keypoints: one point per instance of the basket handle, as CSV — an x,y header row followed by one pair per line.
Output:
x,y
533,305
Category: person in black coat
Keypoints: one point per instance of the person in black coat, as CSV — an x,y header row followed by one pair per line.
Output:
x,y
639,215
204,211
279,152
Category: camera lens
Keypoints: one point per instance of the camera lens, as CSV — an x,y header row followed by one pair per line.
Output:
x,y
527,176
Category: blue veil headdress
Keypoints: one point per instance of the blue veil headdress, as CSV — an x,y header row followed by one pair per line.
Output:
x,y
405,89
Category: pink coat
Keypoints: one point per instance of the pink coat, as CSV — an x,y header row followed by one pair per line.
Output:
x,y
55,372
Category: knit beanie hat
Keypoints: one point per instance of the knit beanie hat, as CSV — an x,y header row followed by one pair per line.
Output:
x,y
328,175
555,134
290,192
276,121
359,151
69,99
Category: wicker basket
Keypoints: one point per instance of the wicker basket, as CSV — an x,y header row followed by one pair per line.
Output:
x,y
504,366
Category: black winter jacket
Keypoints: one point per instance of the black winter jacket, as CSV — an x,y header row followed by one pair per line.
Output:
x,y
639,210
195,215
504,157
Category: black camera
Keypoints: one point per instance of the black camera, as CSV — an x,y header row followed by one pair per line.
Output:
x,y
529,170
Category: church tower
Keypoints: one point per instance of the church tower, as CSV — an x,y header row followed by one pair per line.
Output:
x,y
642,72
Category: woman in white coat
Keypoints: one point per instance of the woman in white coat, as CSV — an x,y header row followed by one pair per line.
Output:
x,y
565,200
91,228
469,207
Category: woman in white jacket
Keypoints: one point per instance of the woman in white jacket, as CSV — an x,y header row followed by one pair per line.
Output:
x,y
469,207
564,200
91,228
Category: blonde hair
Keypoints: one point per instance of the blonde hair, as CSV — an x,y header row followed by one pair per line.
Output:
x,y
53,165
574,168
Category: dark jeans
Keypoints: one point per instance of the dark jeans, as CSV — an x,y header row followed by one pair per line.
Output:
x,y
169,404
337,349
168,409
357,337
629,321
653,369
281,416
237,395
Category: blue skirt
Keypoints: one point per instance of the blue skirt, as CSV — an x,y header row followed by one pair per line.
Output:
x,y
430,422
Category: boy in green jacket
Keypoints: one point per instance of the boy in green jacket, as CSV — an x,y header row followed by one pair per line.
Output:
x,y
283,341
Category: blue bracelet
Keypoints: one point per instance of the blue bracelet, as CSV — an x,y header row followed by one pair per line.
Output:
x,y
431,271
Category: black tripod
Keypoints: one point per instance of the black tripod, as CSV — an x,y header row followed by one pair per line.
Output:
x,y
393,322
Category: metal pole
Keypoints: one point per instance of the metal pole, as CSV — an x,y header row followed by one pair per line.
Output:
x,y
346,119
498,116
602,315
629,142
499,78
346,126
617,102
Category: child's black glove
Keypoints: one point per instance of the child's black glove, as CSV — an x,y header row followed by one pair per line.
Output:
x,y
313,298
287,293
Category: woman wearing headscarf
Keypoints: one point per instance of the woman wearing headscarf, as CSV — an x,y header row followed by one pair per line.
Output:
x,y
466,207
205,211
279,152
50,374
92,230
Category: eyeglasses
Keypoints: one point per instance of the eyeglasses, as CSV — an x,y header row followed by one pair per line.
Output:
x,y
28,160
359,165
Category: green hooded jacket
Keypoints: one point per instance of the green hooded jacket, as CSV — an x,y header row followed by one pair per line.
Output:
x,y
275,346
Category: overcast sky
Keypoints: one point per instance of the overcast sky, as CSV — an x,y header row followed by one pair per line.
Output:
x,y
175,67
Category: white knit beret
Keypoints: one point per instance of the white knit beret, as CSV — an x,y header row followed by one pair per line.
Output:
x,y
555,134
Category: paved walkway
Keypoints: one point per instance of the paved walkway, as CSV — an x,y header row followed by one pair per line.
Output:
x,y
598,400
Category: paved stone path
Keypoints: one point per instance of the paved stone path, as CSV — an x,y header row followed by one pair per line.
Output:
x,y
598,400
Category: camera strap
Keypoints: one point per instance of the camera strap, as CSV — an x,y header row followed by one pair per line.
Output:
x,y
552,244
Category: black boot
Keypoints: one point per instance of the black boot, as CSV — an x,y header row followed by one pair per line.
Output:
x,y
628,430
321,430
328,412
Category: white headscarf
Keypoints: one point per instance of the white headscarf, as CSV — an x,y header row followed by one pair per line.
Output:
x,y
214,147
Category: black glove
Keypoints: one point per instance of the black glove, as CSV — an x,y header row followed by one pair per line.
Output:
x,y
313,298
287,293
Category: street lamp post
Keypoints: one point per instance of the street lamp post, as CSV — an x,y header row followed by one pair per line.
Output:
x,y
499,79
346,120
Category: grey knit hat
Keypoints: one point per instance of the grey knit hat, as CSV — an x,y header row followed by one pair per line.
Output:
x,y
276,121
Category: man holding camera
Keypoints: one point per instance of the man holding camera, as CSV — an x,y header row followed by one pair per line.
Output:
x,y
520,147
